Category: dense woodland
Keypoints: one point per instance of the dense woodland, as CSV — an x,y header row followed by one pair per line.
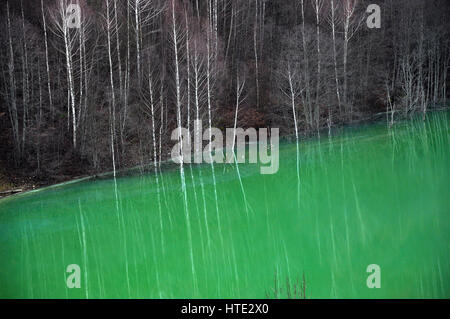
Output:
x,y
108,95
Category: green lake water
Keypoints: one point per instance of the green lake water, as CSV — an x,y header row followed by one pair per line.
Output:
x,y
366,195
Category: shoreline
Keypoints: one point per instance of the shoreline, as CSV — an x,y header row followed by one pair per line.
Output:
x,y
15,185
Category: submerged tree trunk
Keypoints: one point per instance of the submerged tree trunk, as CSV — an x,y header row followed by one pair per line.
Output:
x,y
176,38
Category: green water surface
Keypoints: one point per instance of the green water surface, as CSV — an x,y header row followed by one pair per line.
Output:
x,y
366,195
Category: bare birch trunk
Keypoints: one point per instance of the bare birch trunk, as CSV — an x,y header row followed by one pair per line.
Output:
x,y
175,34
336,76
12,92
255,48
308,105
47,61
317,7
111,78
25,98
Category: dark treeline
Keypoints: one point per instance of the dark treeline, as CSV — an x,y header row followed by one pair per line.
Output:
x,y
79,100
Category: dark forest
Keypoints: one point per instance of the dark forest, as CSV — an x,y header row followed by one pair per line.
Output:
x,y
76,101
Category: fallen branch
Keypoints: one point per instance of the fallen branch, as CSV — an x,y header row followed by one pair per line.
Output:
x,y
11,191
